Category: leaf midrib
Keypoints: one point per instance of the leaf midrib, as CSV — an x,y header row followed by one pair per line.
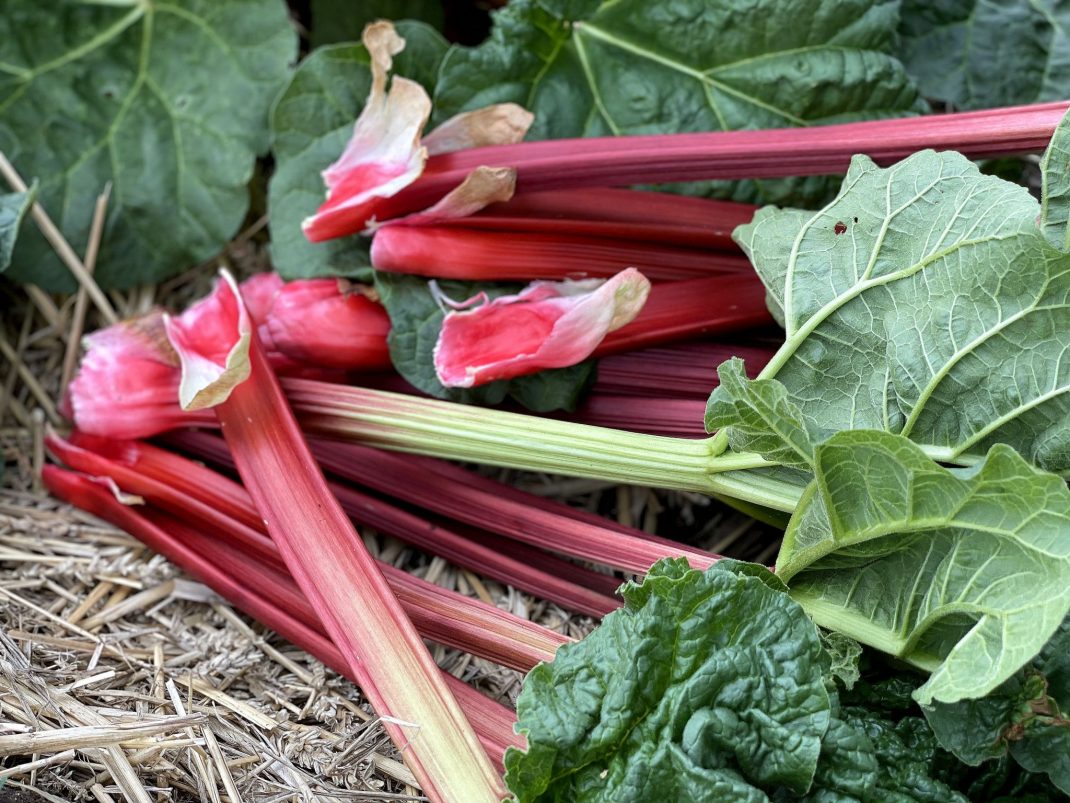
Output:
x,y
705,79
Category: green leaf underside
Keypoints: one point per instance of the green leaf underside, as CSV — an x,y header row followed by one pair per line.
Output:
x,y
310,125
979,54
962,571
92,93
344,20
13,209
630,67
925,301
415,322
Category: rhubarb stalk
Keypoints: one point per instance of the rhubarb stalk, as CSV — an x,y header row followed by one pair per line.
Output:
x,y
470,254
223,366
614,161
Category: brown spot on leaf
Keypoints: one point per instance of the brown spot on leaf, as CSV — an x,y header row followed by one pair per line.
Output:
x,y
840,227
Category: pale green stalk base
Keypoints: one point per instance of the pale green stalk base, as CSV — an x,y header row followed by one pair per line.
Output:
x,y
492,437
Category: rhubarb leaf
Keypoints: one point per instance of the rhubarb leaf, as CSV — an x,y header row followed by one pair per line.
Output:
x,y
630,67
311,123
166,101
415,321
759,417
964,572
13,209
926,301
978,54
343,20
705,686
1025,717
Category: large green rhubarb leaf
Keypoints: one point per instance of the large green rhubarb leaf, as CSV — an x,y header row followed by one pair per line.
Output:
x,y
589,68
13,208
167,101
343,20
965,572
310,125
979,54
926,301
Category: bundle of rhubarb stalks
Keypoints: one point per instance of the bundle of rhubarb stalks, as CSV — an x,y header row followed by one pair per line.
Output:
x,y
888,375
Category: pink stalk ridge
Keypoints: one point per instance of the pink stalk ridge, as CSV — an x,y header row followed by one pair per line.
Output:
x,y
324,554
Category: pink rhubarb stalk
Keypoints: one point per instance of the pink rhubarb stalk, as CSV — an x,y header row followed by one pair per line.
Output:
x,y
184,488
571,576
547,325
614,161
461,495
682,370
267,595
618,214
678,311
468,253
222,366
328,322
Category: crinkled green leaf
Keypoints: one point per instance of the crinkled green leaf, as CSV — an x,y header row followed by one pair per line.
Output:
x,y
844,653
167,101
344,20
979,54
926,301
759,417
1025,717
13,208
415,322
310,124
632,67
965,572
905,757
705,686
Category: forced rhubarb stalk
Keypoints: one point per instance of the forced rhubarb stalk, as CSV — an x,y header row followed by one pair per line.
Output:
x,y
618,214
614,161
470,254
271,599
202,496
223,366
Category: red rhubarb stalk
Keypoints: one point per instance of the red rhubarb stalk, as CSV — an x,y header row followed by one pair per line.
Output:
x,y
481,501
223,366
677,418
196,493
620,214
471,254
677,311
269,597
210,447
682,370
614,161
